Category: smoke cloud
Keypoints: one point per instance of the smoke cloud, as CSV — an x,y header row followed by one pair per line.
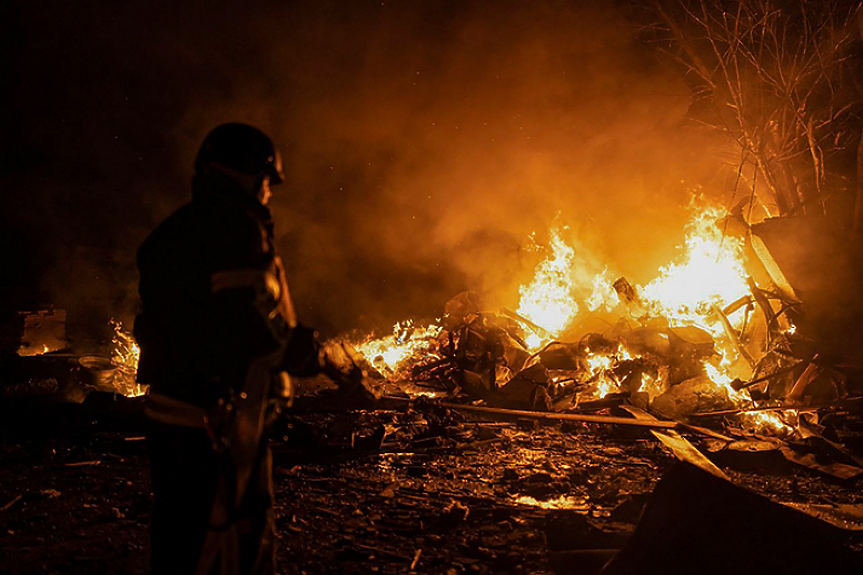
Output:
x,y
424,141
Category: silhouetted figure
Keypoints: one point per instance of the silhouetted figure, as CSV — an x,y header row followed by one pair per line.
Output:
x,y
217,333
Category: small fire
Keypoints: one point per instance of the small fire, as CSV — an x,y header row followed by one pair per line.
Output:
x,y
389,353
601,368
547,300
124,355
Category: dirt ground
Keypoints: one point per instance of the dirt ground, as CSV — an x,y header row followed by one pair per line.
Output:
x,y
420,490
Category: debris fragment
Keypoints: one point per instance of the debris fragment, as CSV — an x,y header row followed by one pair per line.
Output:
x,y
695,522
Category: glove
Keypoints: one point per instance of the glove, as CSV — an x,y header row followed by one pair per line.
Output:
x,y
302,354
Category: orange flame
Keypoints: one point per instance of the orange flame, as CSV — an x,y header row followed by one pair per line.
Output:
x,y
710,273
124,355
388,354
547,300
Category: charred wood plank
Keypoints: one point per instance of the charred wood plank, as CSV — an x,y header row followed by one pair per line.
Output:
x,y
812,371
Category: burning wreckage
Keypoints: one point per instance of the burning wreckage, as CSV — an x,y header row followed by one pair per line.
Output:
x,y
703,350
703,342
718,348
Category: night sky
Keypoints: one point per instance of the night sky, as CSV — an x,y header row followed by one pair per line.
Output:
x,y
424,141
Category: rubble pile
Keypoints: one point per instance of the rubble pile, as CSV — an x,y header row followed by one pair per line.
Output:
x,y
704,346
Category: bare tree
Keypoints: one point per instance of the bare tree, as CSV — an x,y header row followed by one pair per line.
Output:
x,y
781,78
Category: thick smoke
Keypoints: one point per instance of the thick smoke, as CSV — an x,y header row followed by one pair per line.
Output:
x,y
424,141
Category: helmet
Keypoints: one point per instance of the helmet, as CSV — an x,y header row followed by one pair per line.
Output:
x,y
243,148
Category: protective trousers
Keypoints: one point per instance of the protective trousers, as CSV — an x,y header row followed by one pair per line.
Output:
x,y
186,473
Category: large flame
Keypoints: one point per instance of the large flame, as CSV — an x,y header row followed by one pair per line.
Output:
x,y
709,274
564,285
547,300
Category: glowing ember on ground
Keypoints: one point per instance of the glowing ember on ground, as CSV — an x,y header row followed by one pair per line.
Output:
x,y
562,502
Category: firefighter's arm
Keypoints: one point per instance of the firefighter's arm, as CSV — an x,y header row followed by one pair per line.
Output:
x,y
306,357
303,357
340,364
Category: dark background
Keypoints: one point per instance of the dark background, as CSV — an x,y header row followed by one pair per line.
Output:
x,y
424,141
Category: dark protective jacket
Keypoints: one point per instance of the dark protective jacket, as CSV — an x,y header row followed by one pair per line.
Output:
x,y
202,275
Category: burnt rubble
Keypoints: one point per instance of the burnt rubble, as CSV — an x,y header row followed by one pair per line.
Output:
x,y
417,486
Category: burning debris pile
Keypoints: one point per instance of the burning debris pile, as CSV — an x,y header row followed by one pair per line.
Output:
x,y
702,343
